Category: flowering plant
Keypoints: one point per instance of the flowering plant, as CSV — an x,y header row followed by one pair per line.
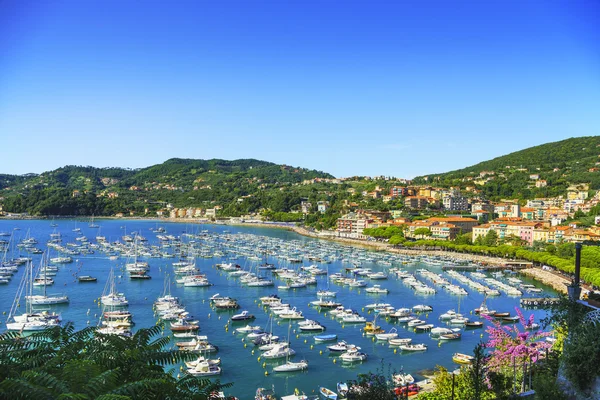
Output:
x,y
513,346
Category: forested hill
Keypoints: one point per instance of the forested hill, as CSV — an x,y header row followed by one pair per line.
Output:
x,y
79,190
560,164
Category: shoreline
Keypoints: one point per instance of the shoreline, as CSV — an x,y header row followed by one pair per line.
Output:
x,y
551,279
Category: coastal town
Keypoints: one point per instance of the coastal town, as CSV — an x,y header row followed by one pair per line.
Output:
x,y
546,220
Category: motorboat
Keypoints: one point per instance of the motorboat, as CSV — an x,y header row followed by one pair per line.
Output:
x,y
291,366
311,327
399,341
415,322
422,308
450,336
201,359
341,347
463,359
282,350
243,316
474,324
248,329
87,278
326,293
377,289
204,369
413,347
353,355
392,334
342,389
403,379
354,319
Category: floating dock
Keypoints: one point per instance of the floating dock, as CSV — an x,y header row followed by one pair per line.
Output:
x,y
538,301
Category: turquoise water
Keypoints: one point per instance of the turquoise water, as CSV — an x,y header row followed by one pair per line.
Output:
x,y
239,364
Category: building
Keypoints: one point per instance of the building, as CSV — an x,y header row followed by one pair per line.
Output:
x,y
419,202
506,229
398,191
322,206
352,225
454,201
305,206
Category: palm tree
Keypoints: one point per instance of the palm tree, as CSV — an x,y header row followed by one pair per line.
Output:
x,y
61,363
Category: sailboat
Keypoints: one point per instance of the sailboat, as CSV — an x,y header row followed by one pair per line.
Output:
x,y
92,224
111,297
39,299
326,292
29,321
291,366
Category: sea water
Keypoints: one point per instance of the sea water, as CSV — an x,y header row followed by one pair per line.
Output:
x,y
239,363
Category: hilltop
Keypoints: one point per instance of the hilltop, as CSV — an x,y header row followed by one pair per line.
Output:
x,y
84,190
540,171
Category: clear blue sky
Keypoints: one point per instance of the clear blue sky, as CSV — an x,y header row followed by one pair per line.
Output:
x,y
349,87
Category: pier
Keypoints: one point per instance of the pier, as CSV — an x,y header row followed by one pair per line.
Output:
x,y
538,301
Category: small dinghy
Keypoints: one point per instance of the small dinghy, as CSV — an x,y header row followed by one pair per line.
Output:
x,y
327,394
325,338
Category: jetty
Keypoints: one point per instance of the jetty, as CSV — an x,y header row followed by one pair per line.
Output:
x,y
538,301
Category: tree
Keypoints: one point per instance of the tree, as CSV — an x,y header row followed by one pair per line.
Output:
x,y
61,363
372,386
422,232
491,238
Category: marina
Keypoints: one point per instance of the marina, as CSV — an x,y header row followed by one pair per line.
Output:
x,y
299,296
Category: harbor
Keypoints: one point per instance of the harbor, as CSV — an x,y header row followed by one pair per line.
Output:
x,y
223,276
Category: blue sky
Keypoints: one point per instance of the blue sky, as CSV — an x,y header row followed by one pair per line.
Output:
x,y
349,87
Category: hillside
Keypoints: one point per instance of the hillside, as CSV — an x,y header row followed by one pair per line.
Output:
x,y
77,190
560,164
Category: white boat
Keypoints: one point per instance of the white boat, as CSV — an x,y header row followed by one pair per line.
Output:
x,y
312,327
413,347
291,366
399,341
282,350
201,359
422,308
353,355
376,289
248,329
326,293
392,334
341,347
327,394
403,379
204,369
30,320
354,319
111,297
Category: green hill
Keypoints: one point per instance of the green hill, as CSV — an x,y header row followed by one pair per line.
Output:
x,y
560,164
78,190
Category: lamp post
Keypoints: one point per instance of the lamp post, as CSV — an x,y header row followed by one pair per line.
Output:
x,y
574,289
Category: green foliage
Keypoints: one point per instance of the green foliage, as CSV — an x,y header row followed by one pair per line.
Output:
x,y
559,163
384,232
420,232
373,386
59,363
240,187
491,238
